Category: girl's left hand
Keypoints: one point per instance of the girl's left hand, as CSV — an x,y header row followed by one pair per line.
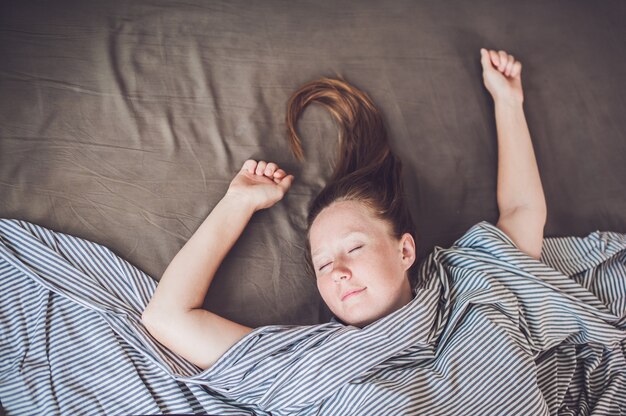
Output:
x,y
502,75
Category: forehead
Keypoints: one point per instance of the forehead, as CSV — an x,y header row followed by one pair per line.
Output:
x,y
318,249
341,220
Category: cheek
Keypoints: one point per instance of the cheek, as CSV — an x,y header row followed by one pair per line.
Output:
x,y
324,288
382,269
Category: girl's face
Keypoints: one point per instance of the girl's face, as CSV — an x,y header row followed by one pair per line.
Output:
x,y
354,251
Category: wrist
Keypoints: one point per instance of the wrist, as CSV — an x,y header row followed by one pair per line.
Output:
x,y
508,100
238,200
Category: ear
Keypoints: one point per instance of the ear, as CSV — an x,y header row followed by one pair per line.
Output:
x,y
407,250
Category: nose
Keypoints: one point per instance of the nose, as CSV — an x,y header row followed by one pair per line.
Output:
x,y
341,272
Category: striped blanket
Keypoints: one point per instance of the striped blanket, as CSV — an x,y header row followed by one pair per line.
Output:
x,y
493,331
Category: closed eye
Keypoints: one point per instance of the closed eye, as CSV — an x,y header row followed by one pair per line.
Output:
x,y
354,249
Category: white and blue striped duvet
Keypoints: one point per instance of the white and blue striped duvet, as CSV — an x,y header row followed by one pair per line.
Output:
x,y
493,332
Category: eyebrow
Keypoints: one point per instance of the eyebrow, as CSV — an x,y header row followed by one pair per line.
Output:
x,y
343,237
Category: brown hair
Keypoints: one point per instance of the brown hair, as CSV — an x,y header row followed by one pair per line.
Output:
x,y
366,171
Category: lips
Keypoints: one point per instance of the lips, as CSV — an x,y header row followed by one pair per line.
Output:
x,y
352,292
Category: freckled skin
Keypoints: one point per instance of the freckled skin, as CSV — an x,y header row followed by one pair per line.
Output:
x,y
380,264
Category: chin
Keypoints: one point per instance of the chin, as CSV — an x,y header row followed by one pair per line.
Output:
x,y
359,316
360,323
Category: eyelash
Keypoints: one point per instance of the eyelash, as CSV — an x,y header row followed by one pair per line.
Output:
x,y
356,248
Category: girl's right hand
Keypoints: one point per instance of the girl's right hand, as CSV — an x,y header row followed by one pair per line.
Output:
x,y
260,183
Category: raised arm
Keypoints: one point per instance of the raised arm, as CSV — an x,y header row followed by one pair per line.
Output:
x,y
174,315
521,201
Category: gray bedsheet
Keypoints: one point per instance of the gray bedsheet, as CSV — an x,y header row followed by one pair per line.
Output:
x,y
124,122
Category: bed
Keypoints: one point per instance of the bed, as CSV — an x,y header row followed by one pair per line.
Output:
x,y
123,122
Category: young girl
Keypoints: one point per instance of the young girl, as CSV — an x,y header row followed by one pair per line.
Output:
x,y
360,235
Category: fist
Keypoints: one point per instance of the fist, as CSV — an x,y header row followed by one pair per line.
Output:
x,y
260,184
502,75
